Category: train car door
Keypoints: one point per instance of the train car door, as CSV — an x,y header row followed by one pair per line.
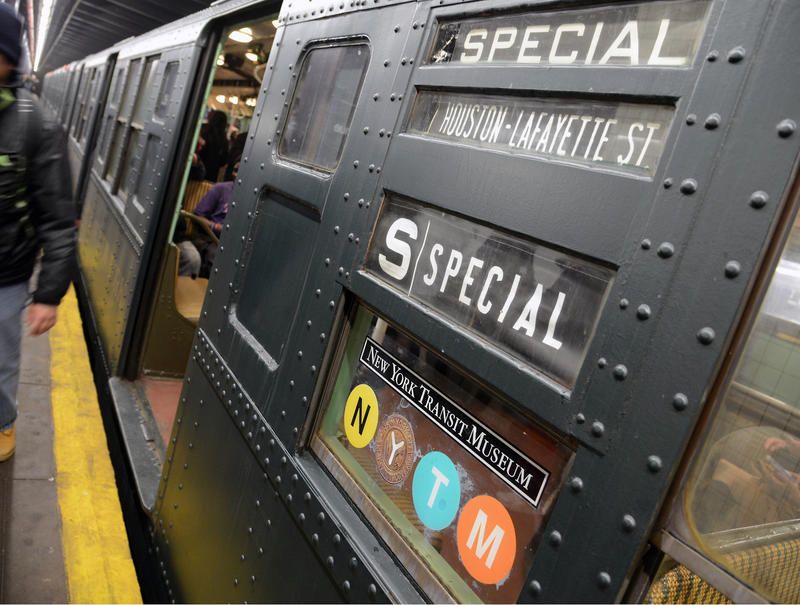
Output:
x,y
484,263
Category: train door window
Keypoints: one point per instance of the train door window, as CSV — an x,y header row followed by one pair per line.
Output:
x,y
742,498
167,87
86,108
120,126
135,136
417,443
322,106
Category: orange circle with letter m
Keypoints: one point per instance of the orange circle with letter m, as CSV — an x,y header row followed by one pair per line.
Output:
x,y
487,541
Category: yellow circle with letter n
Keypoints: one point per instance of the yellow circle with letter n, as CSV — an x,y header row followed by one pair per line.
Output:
x,y
361,415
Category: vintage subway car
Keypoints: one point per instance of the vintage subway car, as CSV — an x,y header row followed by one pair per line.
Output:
x,y
506,306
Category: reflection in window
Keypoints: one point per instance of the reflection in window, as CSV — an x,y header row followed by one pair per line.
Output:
x,y
412,439
323,105
167,86
743,497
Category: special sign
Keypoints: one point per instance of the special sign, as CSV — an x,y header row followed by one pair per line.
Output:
x,y
533,302
627,136
652,34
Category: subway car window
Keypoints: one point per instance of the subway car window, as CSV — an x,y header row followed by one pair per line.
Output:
x,y
743,498
323,105
131,161
167,86
123,117
471,509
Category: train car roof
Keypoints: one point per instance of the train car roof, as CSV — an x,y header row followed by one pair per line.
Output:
x,y
182,31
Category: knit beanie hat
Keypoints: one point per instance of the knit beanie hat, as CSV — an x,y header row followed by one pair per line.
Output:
x,y
10,33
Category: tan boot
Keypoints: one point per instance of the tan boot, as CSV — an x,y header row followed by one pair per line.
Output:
x,y
8,443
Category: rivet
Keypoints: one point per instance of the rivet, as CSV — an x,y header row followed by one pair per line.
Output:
x,y
337,539
680,402
603,579
602,362
346,586
732,269
786,128
321,517
315,538
580,418
346,196
759,199
576,483
691,119
620,372
330,561
535,587
372,590
355,164
688,186
736,55
353,562
623,303
713,121
667,183
598,428
643,312
628,523
555,539
706,336
386,63
712,56
654,464
666,250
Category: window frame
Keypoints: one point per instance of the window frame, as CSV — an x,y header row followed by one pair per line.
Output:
x,y
302,61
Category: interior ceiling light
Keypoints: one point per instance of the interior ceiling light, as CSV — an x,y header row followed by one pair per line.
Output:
x,y
252,56
275,23
244,35
251,102
234,100
220,98
221,60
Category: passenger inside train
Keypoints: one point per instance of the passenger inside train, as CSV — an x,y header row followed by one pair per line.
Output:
x,y
200,212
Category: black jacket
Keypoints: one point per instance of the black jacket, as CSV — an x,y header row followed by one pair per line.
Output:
x,y
36,207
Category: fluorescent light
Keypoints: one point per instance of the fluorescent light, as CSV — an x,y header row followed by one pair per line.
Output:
x,y
252,56
220,98
244,35
234,100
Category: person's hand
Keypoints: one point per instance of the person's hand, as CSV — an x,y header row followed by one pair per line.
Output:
x,y
41,318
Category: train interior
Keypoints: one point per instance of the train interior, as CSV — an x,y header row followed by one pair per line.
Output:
x,y
220,133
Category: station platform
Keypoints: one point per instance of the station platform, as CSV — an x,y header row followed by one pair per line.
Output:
x,y
62,536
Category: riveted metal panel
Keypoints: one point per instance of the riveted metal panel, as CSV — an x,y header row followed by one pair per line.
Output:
x,y
668,237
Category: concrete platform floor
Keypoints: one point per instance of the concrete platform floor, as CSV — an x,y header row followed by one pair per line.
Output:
x,y
31,557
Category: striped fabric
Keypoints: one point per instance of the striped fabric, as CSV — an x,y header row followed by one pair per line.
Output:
x,y
773,570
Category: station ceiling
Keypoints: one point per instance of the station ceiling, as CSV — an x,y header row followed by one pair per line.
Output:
x,y
82,27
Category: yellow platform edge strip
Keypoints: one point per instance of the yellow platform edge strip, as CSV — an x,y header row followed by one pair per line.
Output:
x,y
97,557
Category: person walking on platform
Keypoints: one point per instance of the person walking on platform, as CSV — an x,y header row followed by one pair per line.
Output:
x,y
36,215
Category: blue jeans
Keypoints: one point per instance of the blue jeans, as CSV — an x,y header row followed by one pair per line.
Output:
x,y
12,302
